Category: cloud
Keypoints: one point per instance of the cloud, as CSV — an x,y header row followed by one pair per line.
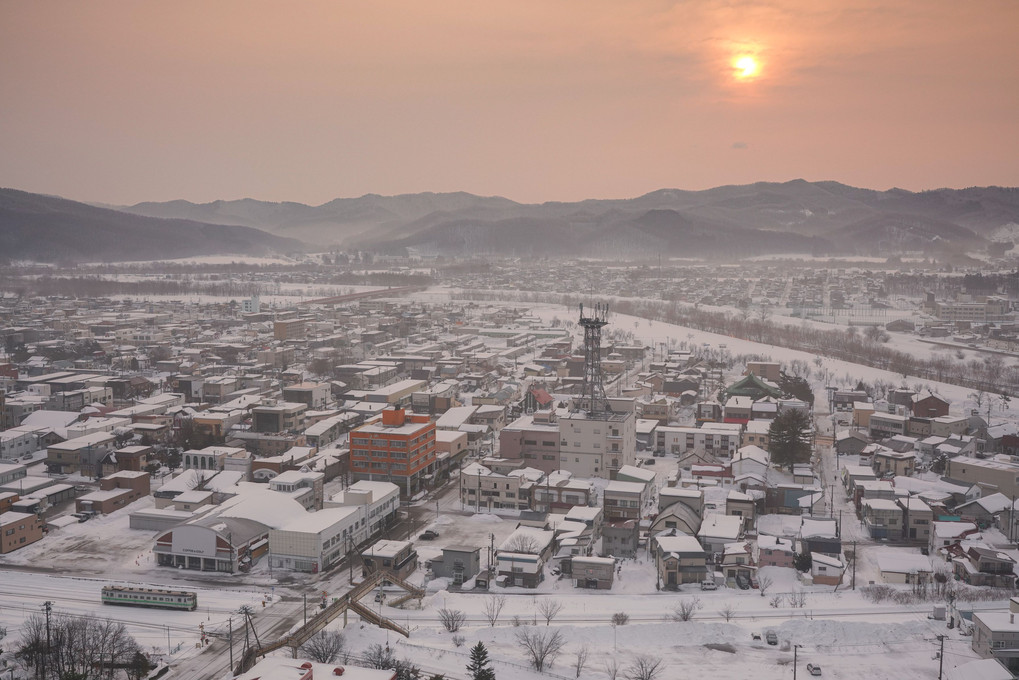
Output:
x,y
739,145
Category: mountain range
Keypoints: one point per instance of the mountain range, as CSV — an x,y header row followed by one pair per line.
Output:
x,y
821,218
791,217
49,229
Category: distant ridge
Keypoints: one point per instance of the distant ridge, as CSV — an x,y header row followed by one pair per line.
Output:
x,y
47,229
821,218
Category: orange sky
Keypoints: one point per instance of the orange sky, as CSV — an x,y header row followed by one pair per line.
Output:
x,y
126,101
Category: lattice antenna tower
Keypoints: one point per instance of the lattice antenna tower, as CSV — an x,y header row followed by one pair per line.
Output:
x,y
594,382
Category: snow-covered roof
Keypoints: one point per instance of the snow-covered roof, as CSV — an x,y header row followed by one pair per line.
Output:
x,y
818,528
827,560
766,542
752,452
899,562
984,669
260,504
680,543
636,473
617,486
721,526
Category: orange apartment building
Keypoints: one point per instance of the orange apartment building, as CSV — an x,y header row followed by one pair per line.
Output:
x,y
115,491
399,448
18,529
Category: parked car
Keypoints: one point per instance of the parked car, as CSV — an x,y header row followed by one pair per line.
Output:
x,y
813,669
743,582
429,535
709,585
649,461
771,638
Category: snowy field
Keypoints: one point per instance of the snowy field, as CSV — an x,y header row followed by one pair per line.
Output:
x,y
845,634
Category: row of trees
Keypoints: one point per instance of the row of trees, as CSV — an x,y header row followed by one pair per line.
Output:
x,y
79,648
991,375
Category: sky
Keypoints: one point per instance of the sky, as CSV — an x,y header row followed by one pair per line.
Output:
x,y
121,101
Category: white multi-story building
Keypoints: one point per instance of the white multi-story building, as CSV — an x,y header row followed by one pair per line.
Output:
x,y
318,540
480,487
304,486
17,442
595,446
719,439
379,502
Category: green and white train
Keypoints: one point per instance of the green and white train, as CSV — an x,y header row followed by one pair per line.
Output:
x,y
150,597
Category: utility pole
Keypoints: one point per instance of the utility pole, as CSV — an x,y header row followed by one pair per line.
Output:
x,y
350,559
306,609
795,649
230,629
941,656
491,550
168,652
854,565
47,607
1011,519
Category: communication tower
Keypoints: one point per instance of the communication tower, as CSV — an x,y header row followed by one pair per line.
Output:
x,y
594,385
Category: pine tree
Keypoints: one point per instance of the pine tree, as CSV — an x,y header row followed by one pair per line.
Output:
x,y
789,438
479,667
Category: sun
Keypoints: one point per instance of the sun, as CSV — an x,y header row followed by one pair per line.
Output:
x,y
745,67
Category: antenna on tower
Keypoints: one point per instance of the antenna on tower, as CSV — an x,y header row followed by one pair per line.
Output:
x,y
594,383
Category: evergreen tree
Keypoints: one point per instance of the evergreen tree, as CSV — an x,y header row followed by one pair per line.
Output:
x,y
479,667
797,387
789,438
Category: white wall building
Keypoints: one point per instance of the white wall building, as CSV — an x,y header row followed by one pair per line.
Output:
x,y
596,446
719,439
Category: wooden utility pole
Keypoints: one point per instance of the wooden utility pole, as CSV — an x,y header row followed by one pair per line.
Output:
x,y
941,656
854,565
47,607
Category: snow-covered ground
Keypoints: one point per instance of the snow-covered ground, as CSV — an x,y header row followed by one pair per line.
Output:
x,y
839,629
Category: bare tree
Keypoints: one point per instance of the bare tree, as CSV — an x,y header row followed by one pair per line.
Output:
x,y
493,607
798,599
323,647
776,601
580,659
764,582
612,668
522,543
452,619
378,656
549,609
620,619
644,667
82,647
686,608
541,647
727,612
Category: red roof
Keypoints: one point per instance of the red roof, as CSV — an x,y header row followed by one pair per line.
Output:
x,y
541,396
